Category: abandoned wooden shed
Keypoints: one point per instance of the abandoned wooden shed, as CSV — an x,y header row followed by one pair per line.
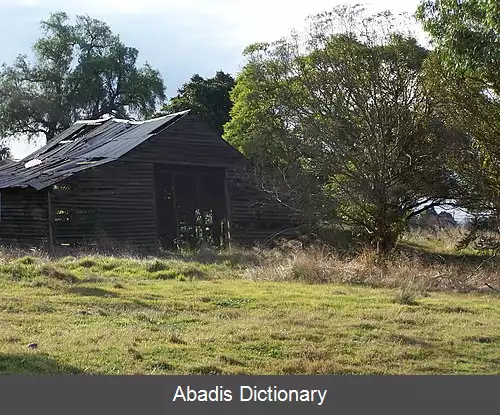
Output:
x,y
168,182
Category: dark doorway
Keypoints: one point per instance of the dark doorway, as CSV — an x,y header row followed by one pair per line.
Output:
x,y
191,206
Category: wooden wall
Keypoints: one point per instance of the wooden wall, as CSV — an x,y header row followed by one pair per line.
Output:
x,y
113,202
23,217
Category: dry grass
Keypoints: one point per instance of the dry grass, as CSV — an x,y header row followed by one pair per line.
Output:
x,y
408,292
438,241
317,265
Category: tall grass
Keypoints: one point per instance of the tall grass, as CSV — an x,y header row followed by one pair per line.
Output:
x,y
423,260
317,266
437,268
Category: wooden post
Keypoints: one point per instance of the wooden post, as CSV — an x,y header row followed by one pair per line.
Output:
x,y
156,237
228,211
50,220
201,208
177,224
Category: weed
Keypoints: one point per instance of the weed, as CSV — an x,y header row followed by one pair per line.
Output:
x,y
162,366
87,263
194,273
26,260
233,302
156,266
108,266
135,354
176,339
169,274
207,370
231,361
408,293
20,272
57,273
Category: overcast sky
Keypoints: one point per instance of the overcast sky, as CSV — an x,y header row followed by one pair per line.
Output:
x,y
180,37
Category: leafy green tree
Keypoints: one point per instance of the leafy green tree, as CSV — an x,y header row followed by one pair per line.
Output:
x,y
467,35
466,89
208,98
474,116
341,123
80,70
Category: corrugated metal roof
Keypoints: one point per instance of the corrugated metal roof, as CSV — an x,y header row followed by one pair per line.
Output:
x,y
84,145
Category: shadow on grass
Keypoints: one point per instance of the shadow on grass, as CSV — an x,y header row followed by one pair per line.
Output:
x,y
33,364
91,292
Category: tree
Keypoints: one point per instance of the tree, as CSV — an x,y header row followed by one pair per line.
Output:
x,y
467,35
342,122
474,115
466,88
208,98
80,70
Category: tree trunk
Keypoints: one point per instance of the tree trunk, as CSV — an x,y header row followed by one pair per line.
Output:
x,y
384,239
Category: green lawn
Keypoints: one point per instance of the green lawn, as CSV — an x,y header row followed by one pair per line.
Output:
x,y
111,316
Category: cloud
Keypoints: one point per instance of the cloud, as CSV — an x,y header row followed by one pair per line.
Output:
x,y
239,20
179,38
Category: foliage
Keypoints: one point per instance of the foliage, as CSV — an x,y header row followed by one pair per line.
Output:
x,y
466,88
208,98
4,152
80,70
474,115
467,35
344,120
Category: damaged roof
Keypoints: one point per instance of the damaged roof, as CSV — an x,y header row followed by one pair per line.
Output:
x,y
85,144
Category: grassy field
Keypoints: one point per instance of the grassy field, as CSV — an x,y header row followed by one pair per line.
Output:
x,y
102,315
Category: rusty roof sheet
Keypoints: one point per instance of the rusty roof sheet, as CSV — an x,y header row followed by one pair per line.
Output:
x,y
84,145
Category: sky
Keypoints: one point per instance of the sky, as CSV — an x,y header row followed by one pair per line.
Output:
x,y
179,38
